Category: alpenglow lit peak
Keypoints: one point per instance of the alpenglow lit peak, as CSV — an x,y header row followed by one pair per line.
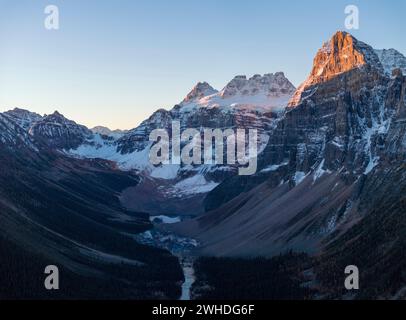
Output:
x,y
341,54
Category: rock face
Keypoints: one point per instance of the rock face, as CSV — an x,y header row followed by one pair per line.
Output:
x,y
272,85
395,140
23,118
338,120
25,128
392,59
201,90
254,103
104,131
346,108
320,171
244,103
341,54
14,126
331,176
58,132
345,117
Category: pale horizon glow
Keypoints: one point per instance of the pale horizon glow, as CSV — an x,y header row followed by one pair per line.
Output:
x,y
113,64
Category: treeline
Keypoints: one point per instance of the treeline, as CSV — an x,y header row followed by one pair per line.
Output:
x,y
65,212
22,277
279,278
377,246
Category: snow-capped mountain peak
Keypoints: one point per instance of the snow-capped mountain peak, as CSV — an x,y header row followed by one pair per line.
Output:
x,y
57,117
23,118
104,131
59,132
392,59
200,90
254,104
270,92
340,55
272,85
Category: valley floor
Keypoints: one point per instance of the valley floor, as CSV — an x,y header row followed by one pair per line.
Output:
x,y
279,278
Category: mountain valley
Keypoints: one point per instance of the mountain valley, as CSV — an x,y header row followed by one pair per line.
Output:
x,y
329,191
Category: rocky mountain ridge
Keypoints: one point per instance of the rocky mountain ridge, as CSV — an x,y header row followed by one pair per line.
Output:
x,y
331,179
348,83
313,170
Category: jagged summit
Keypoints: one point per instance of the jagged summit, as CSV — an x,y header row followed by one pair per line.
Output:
x,y
200,90
104,131
341,54
392,59
269,84
59,132
22,117
57,118
270,92
20,111
55,115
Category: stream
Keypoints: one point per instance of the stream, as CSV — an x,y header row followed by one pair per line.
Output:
x,y
189,273
180,247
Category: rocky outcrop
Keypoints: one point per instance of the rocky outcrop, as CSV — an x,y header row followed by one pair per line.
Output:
x,y
201,90
57,132
340,122
341,54
395,140
314,182
244,103
254,103
104,131
273,85
344,114
23,118
14,126
392,59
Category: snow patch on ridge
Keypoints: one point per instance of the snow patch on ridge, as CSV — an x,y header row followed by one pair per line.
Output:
x,y
299,177
165,219
98,148
274,167
194,185
391,59
320,171
166,172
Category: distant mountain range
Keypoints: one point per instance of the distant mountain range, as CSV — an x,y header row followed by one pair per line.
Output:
x,y
331,178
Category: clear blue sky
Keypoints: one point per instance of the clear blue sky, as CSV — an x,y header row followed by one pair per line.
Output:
x,y
115,62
